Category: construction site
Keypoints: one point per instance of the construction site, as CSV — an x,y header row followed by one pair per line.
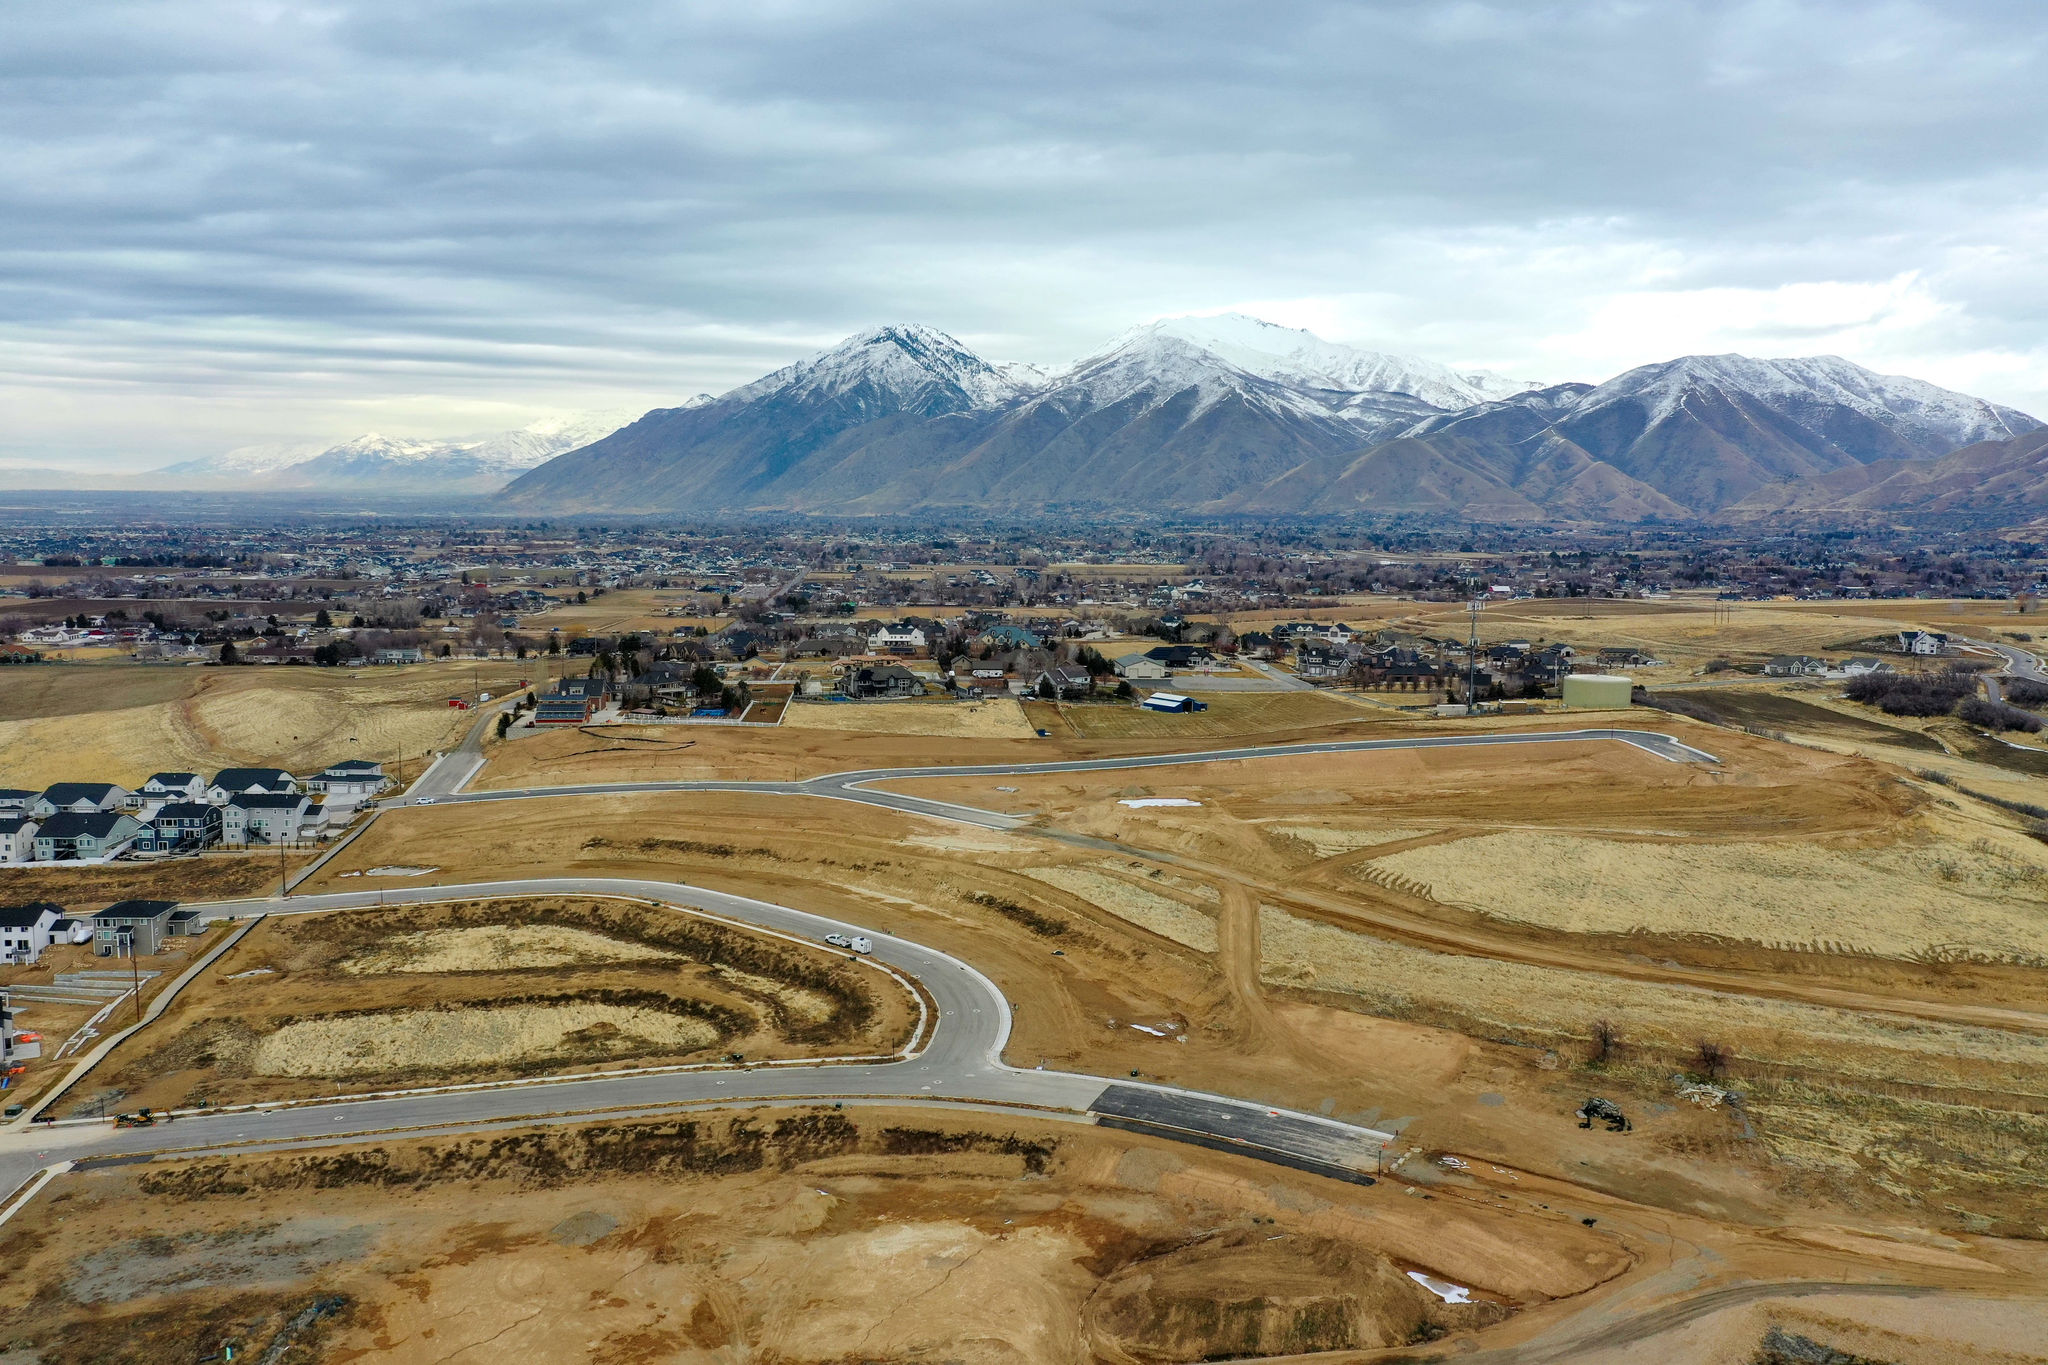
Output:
x,y
1707,1040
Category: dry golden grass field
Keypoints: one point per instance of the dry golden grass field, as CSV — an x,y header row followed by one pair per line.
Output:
x,y
122,722
377,999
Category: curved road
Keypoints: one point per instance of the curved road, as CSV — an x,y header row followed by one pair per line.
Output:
x,y
961,1063
858,786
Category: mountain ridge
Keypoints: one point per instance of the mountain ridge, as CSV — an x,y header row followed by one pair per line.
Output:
x,y
1225,414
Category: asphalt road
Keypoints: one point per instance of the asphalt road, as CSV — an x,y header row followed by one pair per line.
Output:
x,y
2019,663
960,1063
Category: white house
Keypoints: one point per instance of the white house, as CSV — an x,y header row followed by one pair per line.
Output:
x,y
17,838
175,787
25,930
1923,642
354,779
897,640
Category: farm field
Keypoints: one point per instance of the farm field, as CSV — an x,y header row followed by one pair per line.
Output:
x,y
379,999
122,722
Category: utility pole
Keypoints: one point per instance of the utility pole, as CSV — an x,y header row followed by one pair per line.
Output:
x,y
1472,659
134,977
283,877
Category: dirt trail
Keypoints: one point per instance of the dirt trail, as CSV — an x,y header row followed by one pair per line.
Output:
x,y
1238,957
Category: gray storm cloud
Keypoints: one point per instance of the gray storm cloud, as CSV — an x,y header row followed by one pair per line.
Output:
x,y
224,222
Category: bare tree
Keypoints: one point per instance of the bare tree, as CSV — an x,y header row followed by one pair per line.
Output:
x,y
1606,1042
1711,1060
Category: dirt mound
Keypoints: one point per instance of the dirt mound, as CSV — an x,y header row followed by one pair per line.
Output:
x,y
1253,1293
495,948
400,1042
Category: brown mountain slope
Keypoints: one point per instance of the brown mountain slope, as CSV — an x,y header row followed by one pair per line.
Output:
x,y
1990,478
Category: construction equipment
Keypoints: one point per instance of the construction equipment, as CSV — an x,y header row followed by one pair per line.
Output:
x,y
1597,1108
142,1118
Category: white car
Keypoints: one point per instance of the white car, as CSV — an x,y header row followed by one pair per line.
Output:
x,y
839,940
861,945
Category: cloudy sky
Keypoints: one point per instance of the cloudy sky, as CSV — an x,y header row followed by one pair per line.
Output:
x,y
236,221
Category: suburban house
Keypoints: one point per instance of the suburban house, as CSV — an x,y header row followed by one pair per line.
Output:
x,y
1180,656
352,779
1256,644
182,827
16,801
1862,664
900,639
1063,680
230,783
400,656
1323,662
1142,668
270,819
175,787
881,680
86,837
572,701
81,798
1008,637
1923,642
1795,666
17,838
132,928
25,930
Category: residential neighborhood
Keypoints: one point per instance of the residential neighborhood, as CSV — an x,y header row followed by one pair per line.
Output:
x,y
177,813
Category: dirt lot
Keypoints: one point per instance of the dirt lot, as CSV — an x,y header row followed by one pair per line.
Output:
x,y
998,719
88,887
122,722
377,999
1229,714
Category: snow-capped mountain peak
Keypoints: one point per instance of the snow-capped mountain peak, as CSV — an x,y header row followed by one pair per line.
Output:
x,y
1810,383
1290,355
903,366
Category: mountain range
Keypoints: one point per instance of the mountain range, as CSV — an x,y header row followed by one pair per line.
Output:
x,y
377,463
1231,414
1215,415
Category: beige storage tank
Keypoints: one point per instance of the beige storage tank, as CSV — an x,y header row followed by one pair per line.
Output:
x,y
1597,691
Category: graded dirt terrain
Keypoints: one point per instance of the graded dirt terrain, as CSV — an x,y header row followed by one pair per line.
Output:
x,y
122,722
382,999
874,1233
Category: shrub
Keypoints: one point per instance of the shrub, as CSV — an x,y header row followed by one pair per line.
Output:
x,y
1994,715
1911,694
2025,691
